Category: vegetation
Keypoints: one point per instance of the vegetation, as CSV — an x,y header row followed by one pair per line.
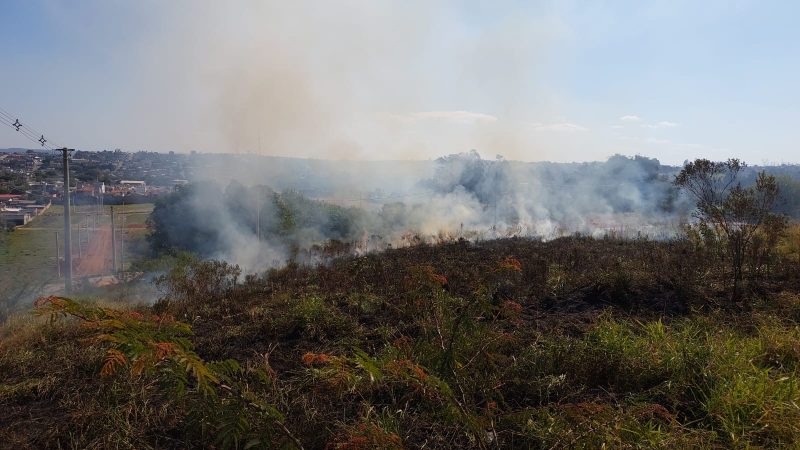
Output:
x,y
572,343
27,255
12,182
200,218
513,343
27,260
740,217
788,202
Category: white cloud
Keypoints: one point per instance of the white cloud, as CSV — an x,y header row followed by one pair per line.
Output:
x,y
662,124
562,127
450,116
630,118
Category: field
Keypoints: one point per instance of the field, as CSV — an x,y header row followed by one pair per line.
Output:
x,y
27,255
571,343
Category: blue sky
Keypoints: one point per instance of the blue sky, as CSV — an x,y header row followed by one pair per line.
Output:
x,y
548,80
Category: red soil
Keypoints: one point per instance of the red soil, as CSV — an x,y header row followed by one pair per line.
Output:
x,y
97,256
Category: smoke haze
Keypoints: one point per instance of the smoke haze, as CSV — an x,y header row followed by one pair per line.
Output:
x,y
333,80
277,209
549,80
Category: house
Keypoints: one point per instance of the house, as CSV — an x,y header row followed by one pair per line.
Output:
x,y
36,209
14,217
5,198
140,187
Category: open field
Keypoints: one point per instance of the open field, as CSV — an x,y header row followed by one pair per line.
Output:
x,y
572,343
27,255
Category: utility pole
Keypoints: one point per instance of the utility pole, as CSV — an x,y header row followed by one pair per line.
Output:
x,y
67,225
113,243
58,257
122,239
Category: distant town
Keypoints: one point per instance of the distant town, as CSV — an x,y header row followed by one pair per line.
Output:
x,y
31,181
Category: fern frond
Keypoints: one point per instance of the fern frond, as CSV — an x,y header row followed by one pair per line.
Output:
x,y
113,360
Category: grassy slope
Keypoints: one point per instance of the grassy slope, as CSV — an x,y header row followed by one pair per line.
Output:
x,y
27,255
27,258
574,343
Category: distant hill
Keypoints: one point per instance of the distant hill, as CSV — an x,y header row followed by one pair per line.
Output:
x,y
21,150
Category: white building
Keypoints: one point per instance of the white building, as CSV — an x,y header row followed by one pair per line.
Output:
x,y
140,187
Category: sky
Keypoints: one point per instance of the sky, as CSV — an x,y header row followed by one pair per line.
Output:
x,y
529,80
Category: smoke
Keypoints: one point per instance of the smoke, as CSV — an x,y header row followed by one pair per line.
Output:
x,y
309,204
369,80
348,80
356,83
622,195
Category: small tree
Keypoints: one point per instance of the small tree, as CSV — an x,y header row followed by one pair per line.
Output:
x,y
735,213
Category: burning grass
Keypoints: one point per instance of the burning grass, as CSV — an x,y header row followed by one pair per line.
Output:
x,y
573,343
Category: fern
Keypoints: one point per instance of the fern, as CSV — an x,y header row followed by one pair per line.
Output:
x,y
113,360
216,393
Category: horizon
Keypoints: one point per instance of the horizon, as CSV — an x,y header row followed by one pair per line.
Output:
x,y
432,159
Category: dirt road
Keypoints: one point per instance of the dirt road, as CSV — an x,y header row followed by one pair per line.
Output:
x,y
97,256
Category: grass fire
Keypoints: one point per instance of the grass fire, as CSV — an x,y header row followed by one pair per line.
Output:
x,y
399,225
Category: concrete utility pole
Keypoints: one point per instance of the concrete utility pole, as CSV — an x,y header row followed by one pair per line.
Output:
x,y
122,239
67,226
58,257
113,243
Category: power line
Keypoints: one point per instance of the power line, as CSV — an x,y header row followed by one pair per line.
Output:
x,y
24,132
19,125
30,133
23,128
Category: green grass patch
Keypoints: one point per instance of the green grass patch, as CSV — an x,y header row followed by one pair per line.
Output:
x,y
28,254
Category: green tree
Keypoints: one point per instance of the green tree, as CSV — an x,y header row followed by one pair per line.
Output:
x,y
737,215
788,201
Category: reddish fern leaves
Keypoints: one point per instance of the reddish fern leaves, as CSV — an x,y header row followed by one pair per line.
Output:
x,y
137,340
511,264
114,359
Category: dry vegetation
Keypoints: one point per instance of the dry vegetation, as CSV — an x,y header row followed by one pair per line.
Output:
x,y
573,343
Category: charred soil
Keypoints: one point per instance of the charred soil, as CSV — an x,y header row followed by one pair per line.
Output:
x,y
515,343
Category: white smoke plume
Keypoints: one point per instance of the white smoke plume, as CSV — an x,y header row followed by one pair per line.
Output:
x,y
461,196
377,80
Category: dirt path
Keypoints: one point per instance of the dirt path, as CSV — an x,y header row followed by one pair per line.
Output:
x,y
97,256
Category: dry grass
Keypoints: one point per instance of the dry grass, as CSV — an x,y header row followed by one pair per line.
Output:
x,y
575,343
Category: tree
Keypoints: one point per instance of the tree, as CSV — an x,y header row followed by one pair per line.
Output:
x,y
736,214
788,202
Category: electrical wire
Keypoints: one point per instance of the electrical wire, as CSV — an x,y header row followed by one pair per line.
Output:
x,y
26,130
23,131
20,126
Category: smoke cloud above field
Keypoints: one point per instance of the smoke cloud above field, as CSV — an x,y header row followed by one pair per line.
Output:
x,y
339,80
347,80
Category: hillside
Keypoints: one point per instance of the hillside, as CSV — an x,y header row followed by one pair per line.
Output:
x,y
514,343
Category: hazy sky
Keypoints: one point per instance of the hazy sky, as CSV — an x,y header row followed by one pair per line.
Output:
x,y
552,80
